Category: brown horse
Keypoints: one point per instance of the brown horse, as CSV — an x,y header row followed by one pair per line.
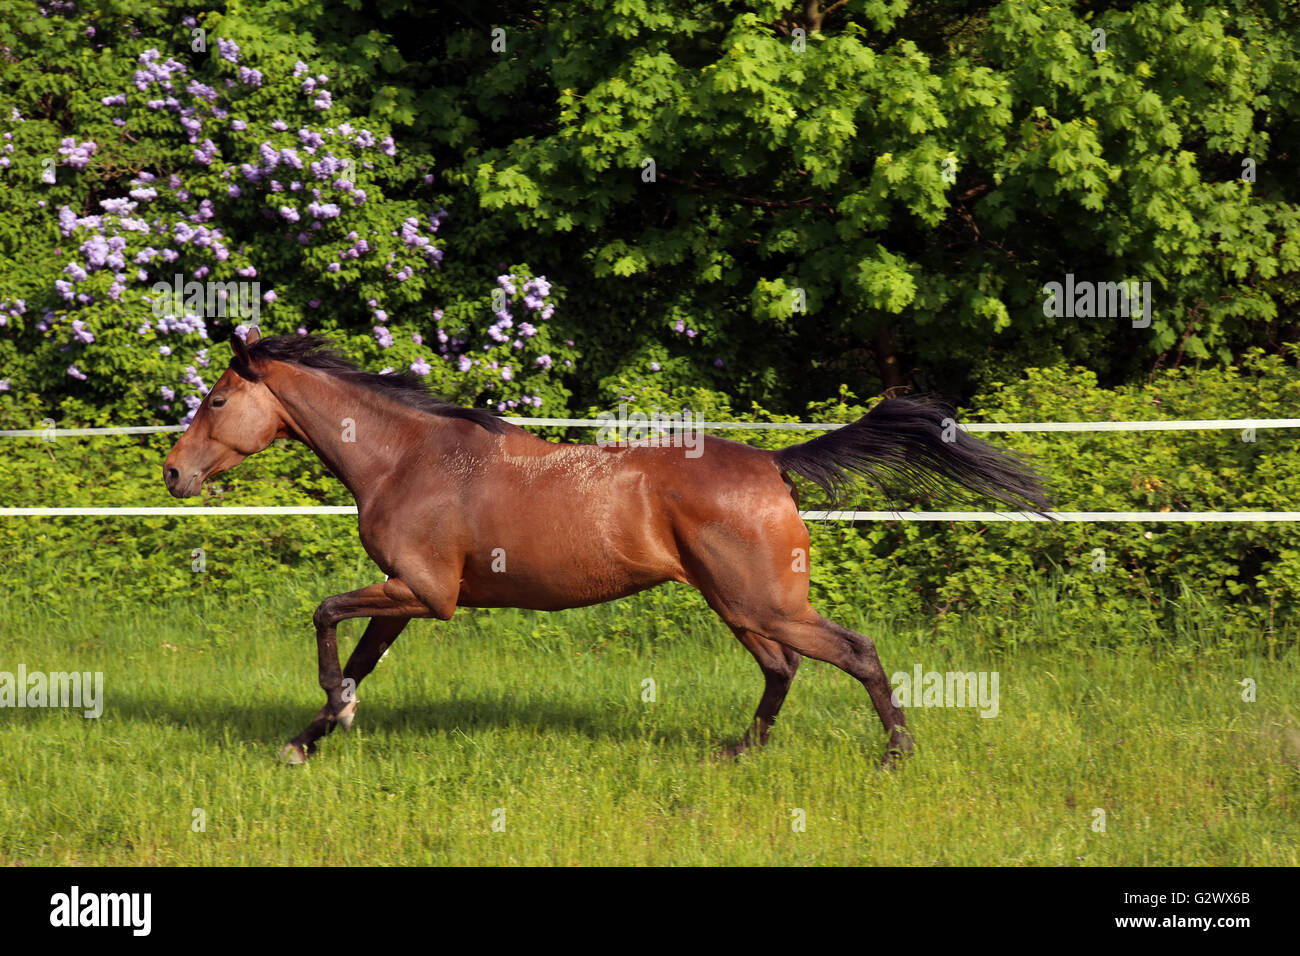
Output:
x,y
460,508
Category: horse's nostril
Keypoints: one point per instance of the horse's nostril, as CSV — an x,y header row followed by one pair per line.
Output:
x,y
171,476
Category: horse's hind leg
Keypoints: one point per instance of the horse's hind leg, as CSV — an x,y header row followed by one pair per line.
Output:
x,y
814,636
778,664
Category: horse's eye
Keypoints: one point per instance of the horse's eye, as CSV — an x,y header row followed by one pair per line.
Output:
x,y
218,402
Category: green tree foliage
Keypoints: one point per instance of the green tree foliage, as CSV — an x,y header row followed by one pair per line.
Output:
x,y
768,199
912,174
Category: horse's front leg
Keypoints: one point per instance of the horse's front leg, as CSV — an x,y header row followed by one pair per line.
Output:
x,y
390,599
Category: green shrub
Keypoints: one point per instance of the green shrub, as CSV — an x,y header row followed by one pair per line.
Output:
x,y
1149,575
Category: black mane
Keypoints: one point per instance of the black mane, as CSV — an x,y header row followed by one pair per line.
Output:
x,y
316,351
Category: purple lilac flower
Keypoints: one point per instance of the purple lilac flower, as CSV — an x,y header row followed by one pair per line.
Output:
x,y
77,155
325,167
96,251
201,91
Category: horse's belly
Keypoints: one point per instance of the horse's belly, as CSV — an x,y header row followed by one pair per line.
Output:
x,y
553,594
557,578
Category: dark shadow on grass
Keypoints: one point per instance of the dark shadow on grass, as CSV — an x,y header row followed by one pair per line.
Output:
x,y
272,724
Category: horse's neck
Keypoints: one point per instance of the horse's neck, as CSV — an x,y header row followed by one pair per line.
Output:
x,y
355,432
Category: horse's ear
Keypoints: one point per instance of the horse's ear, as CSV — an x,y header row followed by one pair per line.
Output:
x,y
240,349
254,335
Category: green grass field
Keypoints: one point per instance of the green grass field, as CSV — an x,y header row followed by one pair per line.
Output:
x,y
542,716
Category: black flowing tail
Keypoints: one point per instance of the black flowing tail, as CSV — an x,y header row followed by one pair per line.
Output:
x,y
911,445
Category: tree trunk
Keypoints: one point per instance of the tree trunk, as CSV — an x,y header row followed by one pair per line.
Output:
x,y
891,375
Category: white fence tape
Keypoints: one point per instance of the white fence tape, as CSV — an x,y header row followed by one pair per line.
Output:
x,y
1066,516
1209,424
1119,516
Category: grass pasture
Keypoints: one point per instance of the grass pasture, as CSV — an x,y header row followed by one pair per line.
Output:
x,y
542,716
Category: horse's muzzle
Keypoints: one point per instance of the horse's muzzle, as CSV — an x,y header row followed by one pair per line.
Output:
x,y
180,488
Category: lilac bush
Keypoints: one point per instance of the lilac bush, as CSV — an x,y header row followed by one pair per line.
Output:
x,y
192,192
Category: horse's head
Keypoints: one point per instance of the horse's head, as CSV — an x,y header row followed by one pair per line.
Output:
x,y
239,417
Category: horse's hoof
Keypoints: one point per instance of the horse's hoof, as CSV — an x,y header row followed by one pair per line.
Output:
x,y
733,752
894,758
347,715
293,755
